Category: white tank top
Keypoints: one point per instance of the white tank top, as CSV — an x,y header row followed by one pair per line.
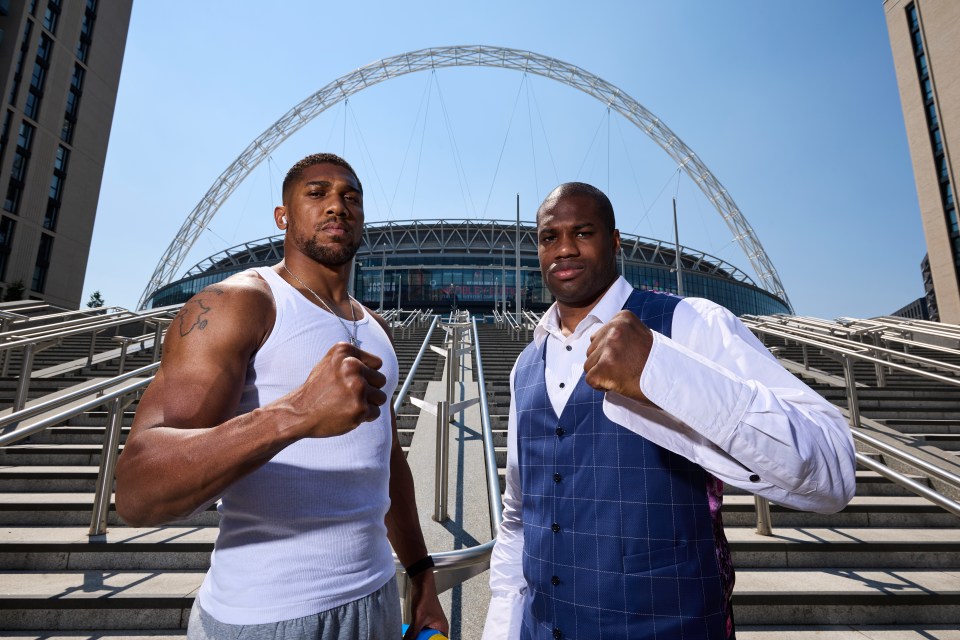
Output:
x,y
305,532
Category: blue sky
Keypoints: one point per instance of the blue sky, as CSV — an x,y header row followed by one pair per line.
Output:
x,y
792,106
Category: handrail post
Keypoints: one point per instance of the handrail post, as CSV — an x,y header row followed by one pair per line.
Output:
x,y
93,346
853,404
806,360
763,515
23,386
443,461
124,345
108,463
157,335
4,327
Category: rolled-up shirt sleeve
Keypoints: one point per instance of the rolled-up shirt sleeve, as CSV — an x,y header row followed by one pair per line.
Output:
x,y
507,585
724,402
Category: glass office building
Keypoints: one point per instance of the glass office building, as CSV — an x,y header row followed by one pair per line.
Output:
x,y
436,264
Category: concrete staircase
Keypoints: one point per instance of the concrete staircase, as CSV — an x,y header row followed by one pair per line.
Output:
x,y
887,566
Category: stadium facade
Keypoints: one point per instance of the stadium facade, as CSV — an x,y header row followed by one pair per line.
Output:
x,y
436,264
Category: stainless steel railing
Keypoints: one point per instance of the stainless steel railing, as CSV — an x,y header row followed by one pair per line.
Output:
x,y
846,354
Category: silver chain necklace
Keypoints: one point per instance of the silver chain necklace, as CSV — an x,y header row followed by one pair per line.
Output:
x,y
352,338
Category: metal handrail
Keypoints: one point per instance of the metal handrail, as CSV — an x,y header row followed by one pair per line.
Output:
x,y
83,313
907,457
851,353
87,328
494,499
413,368
50,405
896,453
53,328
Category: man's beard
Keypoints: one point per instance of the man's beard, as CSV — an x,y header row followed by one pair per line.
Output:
x,y
330,254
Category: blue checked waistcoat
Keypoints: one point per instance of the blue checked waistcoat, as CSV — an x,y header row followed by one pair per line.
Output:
x,y
620,540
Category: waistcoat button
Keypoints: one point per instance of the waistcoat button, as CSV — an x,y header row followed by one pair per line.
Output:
x,y
555,527
560,431
557,477
555,580
557,634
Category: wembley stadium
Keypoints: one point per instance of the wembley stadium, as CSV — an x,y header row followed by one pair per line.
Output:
x,y
439,264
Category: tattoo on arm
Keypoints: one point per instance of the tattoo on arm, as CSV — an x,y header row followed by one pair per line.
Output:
x,y
191,315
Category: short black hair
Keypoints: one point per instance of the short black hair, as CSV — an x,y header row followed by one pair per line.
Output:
x,y
604,206
317,158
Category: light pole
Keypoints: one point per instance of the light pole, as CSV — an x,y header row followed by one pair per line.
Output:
x,y
383,274
398,295
503,278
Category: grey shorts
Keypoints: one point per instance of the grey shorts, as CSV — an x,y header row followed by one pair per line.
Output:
x,y
374,617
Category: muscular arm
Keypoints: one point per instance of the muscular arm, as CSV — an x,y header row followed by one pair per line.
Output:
x,y
187,445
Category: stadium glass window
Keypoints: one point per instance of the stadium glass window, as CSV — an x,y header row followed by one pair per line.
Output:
x,y
917,42
922,65
42,265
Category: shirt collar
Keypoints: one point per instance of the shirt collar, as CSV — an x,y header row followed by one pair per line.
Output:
x,y
608,306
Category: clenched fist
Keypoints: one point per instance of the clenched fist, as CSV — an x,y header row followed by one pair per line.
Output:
x,y
617,355
342,391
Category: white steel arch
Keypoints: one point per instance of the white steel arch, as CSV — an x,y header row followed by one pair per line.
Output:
x,y
464,56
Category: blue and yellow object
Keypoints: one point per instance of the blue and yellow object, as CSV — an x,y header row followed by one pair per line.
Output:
x,y
426,633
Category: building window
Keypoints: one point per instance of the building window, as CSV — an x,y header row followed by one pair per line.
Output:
x,y
39,77
56,188
86,31
7,226
42,264
5,133
18,171
18,70
52,16
73,104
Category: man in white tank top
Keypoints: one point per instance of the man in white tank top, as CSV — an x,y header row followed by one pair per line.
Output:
x,y
270,398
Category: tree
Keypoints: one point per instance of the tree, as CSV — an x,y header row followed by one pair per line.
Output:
x,y
14,291
96,300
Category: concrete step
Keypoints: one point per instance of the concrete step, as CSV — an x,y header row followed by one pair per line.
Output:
x,y
148,600
39,455
180,548
802,547
121,548
863,511
69,509
97,599
844,632
842,596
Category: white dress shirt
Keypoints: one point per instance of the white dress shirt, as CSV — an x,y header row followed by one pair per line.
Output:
x,y
724,403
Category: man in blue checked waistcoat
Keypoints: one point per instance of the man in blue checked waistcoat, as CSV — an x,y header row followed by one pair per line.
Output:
x,y
630,411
